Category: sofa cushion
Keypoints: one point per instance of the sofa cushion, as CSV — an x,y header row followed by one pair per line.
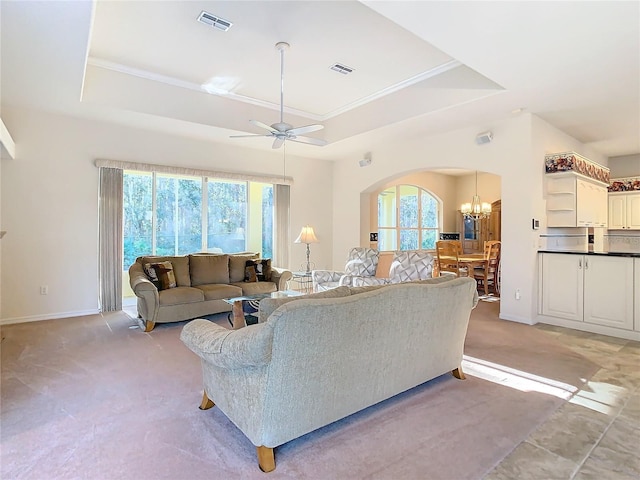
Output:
x,y
180,267
237,262
207,269
180,295
251,288
268,305
161,275
257,270
218,291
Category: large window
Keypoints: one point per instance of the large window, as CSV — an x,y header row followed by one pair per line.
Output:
x,y
408,219
175,215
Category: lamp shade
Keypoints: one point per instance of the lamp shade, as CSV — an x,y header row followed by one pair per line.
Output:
x,y
307,235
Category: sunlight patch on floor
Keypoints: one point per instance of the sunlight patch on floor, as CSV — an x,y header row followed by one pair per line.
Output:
x,y
598,396
517,379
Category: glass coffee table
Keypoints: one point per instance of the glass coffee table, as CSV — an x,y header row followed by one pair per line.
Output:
x,y
245,308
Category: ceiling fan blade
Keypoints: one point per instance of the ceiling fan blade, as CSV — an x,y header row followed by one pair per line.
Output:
x,y
263,125
253,135
277,143
309,140
305,129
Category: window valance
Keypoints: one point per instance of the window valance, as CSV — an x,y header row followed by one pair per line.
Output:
x,y
195,172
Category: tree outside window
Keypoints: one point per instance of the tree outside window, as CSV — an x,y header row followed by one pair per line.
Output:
x,y
407,219
178,215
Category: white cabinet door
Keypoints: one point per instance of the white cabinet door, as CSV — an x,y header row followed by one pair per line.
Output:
x,y
562,286
636,289
608,291
586,203
633,211
617,212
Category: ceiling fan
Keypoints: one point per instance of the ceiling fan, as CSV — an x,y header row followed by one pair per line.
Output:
x,y
282,131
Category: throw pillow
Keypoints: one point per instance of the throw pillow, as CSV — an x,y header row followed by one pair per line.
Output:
x,y
161,275
257,270
237,263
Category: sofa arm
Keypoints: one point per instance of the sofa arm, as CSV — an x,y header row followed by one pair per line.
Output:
x,y
280,277
146,291
230,349
323,276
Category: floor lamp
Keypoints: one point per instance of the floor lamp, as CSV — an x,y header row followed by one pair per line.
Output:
x,y
308,236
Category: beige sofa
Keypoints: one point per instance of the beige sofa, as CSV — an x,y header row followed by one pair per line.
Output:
x,y
316,360
203,280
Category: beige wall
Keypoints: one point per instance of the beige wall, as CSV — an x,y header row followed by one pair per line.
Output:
x,y
511,156
50,203
625,166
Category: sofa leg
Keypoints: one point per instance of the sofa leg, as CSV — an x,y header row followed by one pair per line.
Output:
x,y
207,403
148,325
266,460
458,373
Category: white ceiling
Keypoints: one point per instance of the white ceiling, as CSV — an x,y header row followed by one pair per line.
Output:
x,y
420,67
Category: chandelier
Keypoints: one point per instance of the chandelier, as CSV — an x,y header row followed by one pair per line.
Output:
x,y
476,209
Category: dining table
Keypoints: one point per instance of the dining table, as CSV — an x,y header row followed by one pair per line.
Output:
x,y
469,261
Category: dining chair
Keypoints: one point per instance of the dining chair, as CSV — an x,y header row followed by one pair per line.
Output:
x,y
488,274
448,254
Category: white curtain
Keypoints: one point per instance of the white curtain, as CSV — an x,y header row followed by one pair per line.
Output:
x,y
281,199
194,172
110,239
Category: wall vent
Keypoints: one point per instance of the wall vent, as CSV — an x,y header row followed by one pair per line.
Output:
x,y
343,69
214,21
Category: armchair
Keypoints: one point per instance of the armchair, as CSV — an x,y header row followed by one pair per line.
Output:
x,y
406,266
361,262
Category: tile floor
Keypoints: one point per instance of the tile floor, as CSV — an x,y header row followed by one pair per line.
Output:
x,y
596,434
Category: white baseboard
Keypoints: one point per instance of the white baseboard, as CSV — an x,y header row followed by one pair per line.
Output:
x,y
590,327
49,316
514,318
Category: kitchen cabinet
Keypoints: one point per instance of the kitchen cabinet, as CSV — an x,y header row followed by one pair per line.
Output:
x,y
624,211
575,201
592,289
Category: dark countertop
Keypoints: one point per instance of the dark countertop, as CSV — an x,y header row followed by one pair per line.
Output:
x,y
582,252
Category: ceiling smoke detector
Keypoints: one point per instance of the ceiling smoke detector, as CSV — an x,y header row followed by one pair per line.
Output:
x,y
343,69
214,21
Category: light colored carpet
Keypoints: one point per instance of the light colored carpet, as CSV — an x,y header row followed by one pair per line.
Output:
x,y
96,398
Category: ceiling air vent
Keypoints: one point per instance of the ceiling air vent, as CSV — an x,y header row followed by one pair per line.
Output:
x,y
214,21
343,69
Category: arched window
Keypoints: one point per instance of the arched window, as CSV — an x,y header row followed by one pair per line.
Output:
x,y
408,218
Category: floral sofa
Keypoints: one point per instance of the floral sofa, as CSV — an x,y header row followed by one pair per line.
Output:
x,y
172,289
315,360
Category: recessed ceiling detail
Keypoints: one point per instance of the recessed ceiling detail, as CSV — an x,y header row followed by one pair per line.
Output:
x,y
214,21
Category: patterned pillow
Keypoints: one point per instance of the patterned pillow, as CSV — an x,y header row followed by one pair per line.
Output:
x,y
257,270
161,275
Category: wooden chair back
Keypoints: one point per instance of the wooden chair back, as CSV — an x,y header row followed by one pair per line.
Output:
x,y
487,247
448,252
488,275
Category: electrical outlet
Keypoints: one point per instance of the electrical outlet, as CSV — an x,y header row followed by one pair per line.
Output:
x,y
44,290
517,294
